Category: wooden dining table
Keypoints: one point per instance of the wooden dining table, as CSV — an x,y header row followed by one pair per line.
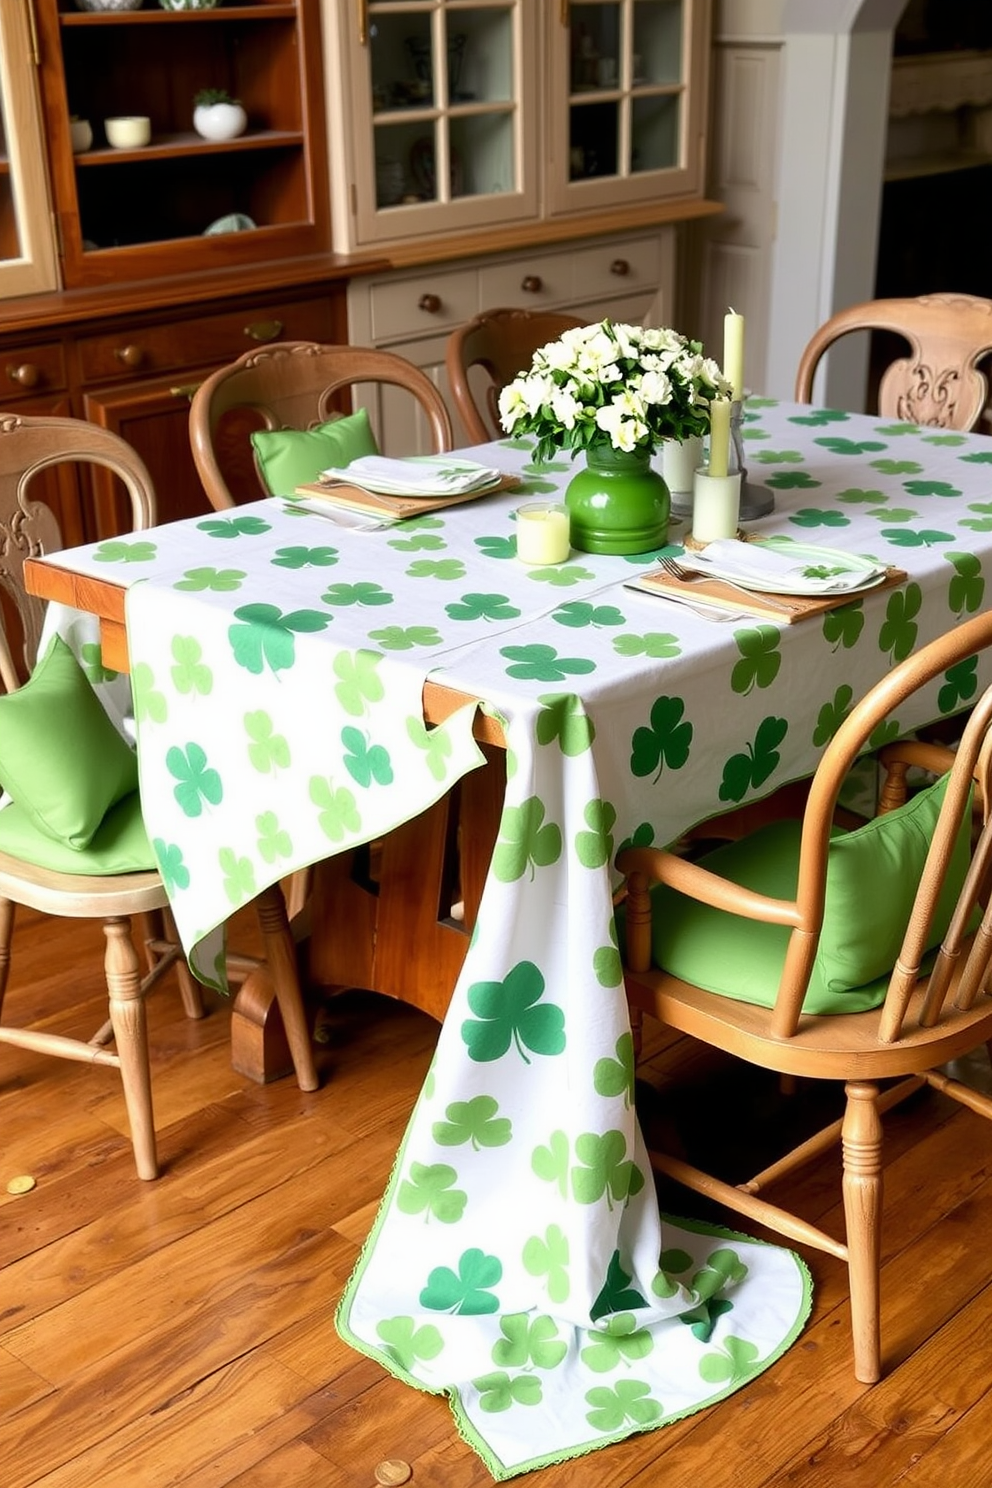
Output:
x,y
461,744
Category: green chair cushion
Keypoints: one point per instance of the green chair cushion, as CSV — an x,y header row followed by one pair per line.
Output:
x,y
61,759
287,458
872,877
120,844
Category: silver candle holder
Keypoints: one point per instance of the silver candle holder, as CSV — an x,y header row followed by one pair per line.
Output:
x,y
756,501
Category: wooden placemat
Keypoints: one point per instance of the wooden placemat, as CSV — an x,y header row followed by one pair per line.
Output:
x,y
356,498
784,608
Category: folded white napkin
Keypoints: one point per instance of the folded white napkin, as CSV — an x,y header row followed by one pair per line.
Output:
x,y
421,475
816,571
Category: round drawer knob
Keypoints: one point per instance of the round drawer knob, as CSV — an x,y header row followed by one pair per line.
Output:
x,y
431,303
27,375
620,267
532,284
129,356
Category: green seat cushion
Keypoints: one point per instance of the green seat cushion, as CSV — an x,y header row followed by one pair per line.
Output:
x,y
120,844
287,458
872,878
61,759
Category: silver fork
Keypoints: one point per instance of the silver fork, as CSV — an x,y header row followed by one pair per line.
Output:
x,y
690,575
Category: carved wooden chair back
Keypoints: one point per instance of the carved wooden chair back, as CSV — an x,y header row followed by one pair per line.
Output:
x,y
499,344
931,1013
292,385
938,383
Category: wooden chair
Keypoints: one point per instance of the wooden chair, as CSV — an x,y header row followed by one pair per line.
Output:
x,y
922,1021
28,528
292,385
938,383
500,343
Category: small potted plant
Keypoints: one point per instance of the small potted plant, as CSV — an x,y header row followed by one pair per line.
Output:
x,y
218,116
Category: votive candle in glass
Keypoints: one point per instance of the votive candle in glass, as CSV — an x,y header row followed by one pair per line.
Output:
x,y
716,504
543,534
680,458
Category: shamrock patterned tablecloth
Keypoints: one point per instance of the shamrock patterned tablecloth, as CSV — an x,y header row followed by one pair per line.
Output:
x,y
518,1262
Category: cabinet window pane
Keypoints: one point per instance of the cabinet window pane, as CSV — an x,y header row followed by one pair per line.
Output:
x,y
402,61
10,242
655,133
595,55
482,155
480,55
405,163
657,50
593,141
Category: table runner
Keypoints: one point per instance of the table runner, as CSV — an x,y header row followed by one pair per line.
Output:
x,y
627,719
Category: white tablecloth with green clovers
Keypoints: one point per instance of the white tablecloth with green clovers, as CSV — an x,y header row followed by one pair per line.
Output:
x,y
518,1262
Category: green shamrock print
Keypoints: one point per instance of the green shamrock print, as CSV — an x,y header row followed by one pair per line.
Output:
x,y
744,771
832,715
265,636
528,1341
216,580
562,576
466,1291
175,874
563,718
197,782
603,1169
809,516
760,658
656,644
980,457
405,637
982,523
268,751
510,1012
703,1319
966,590
228,528
548,1257
613,1077
606,965
625,1342
898,633
894,514
778,457
91,661
816,419
793,480
594,849
930,488
843,626
362,593
855,496
360,683
497,547
125,550
302,557
628,1401
435,743
579,613
190,674
850,446
906,537
897,467
420,541
671,1263
239,877
526,841
446,569
149,704
499,1392
960,685
482,607
273,841
642,836
365,762
735,1361
666,742
474,1121
338,811
429,1191
406,1343
550,1163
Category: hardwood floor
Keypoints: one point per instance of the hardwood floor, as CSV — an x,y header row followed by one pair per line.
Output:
x,y
182,1331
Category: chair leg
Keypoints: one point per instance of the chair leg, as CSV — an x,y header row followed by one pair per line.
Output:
x,y
128,1016
861,1139
7,911
280,954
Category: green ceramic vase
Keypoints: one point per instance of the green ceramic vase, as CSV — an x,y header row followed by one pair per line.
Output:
x,y
618,503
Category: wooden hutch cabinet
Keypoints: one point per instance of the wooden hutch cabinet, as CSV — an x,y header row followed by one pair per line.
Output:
x,y
535,153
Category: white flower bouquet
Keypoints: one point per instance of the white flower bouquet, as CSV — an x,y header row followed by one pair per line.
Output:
x,y
624,385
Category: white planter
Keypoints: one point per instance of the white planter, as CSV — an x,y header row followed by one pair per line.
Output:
x,y
219,121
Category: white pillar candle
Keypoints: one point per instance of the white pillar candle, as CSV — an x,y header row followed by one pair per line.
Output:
x,y
716,502
543,532
719,436
680,459
733,352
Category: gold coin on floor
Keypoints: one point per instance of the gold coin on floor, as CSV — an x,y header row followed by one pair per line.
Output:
x,y
393,1470
24,1184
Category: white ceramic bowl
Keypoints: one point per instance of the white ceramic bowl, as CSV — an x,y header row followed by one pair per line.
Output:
x,y
81,133
128,131
219,121
109,4
187,4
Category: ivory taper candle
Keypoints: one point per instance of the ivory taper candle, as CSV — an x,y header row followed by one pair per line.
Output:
x,y
719,436
733,353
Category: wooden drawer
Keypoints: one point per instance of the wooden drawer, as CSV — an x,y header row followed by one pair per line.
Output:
x,y
433,301
531,281
30,370
203,339
621,267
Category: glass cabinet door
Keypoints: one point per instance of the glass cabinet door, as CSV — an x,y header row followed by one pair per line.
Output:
x,y
629,114
442,118
28,262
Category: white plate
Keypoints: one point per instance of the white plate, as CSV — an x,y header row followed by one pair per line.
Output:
x,y
470,478
814,556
